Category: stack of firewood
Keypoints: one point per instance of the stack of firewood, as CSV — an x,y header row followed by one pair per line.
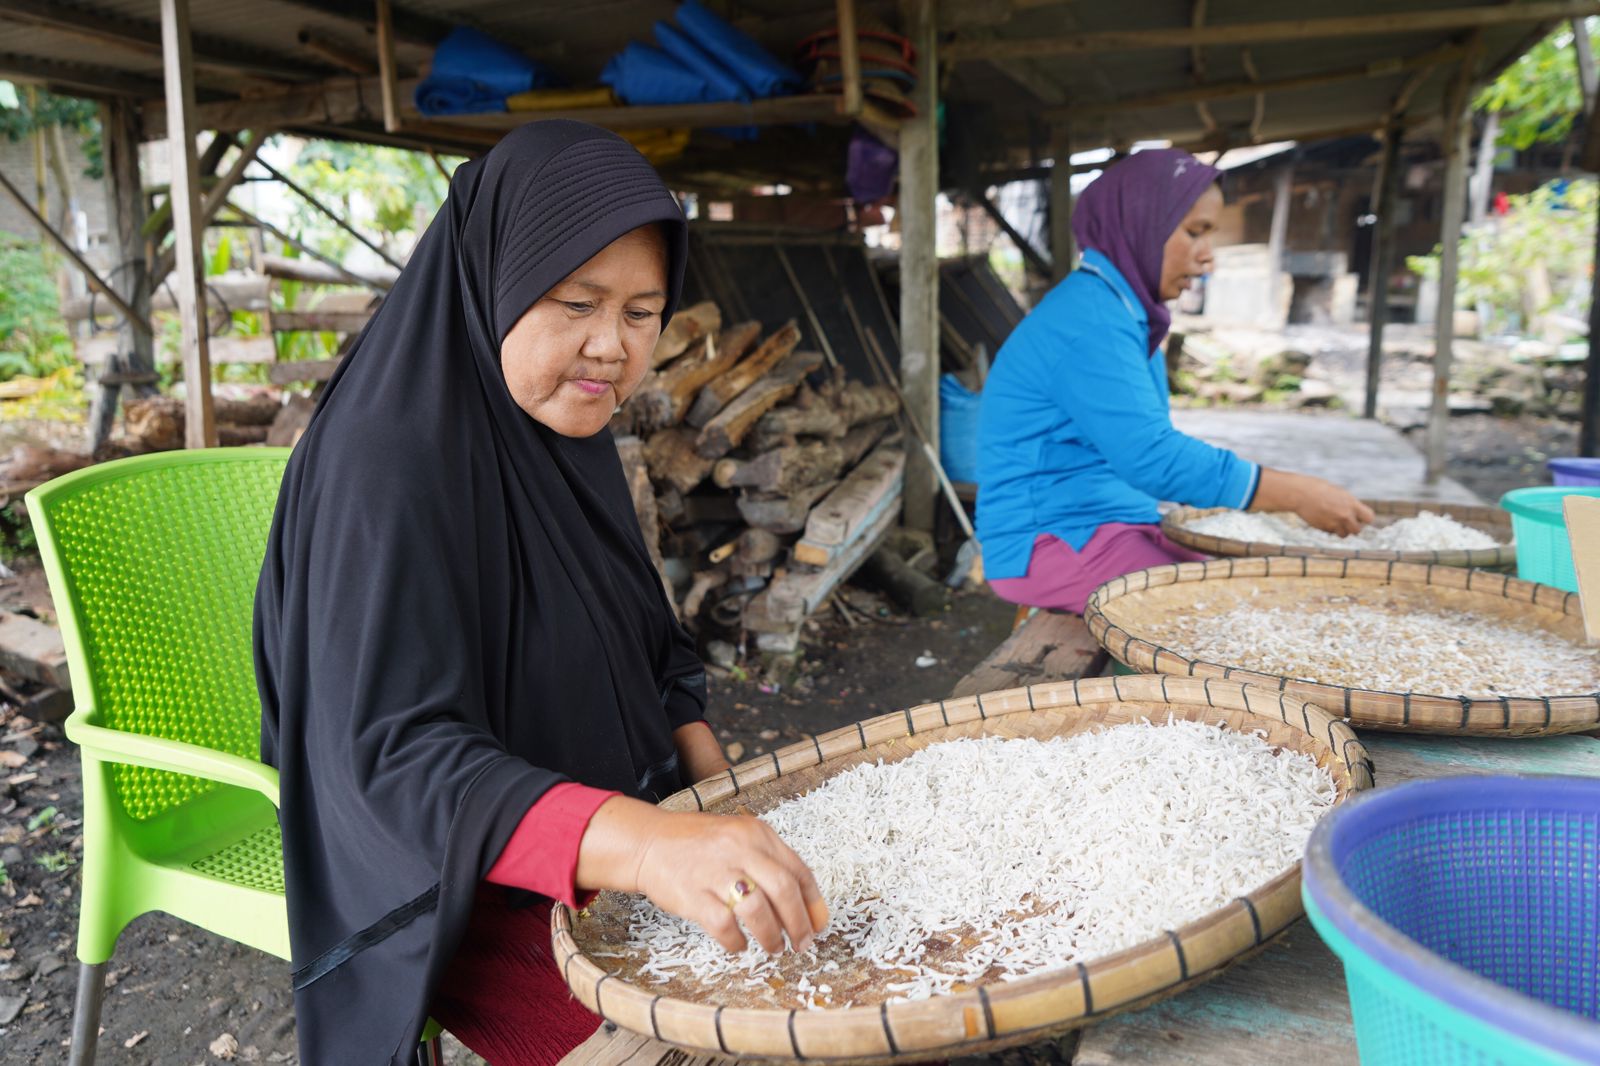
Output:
x,y
746,472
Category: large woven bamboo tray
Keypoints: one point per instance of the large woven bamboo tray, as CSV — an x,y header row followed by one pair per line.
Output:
x,y
1122,611
994,1014
1491,520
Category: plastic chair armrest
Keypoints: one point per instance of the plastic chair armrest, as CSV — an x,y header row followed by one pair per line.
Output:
x,y
160,753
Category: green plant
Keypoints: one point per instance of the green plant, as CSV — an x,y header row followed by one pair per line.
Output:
x,y
44,817
1538,96
1535,259
54,862
16,533
33,337
46,109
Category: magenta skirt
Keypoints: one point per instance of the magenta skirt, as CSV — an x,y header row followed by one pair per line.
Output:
x,y
1062,578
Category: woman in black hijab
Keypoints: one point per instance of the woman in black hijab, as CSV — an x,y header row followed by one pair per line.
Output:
x,y
459,633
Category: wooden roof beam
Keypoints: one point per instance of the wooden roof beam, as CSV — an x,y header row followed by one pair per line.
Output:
x,y
1227,90
144,38
77,78
333,50
1445,20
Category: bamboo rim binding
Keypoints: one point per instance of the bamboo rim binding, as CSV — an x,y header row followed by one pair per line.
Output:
x,y
1445,714
1491,520
1004,1013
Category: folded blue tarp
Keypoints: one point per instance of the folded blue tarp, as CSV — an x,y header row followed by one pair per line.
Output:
x,y
739,52
643,74
682,47
472,72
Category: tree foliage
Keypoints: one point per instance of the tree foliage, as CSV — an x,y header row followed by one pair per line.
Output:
x,y
82,117
1538,97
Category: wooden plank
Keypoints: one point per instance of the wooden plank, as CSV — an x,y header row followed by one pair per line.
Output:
x,y
854,505
200,427
1047,647
386,69
800,593
919,262
33,649
720,391
312,370
319,321
1366,25
614,1046
1287,1005
1457,145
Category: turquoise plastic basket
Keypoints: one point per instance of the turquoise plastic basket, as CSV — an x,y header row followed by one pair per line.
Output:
x,y
1543,552
1466,911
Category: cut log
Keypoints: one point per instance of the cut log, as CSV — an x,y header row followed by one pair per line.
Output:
x,y
291,422
702,584
857,503
687,326
311,370
158,422
831,416
631,451
783,514
671,458
724,432
785,603
669,505
239,436
758,546
664,396
721,391
910,588
277,266
862,439
703,507
782,469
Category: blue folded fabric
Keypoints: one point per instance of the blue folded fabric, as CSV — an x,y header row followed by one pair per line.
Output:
x,y
681,46
644,74
472,72
737,51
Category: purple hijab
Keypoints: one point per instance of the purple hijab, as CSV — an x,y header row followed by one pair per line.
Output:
x,y
1127,214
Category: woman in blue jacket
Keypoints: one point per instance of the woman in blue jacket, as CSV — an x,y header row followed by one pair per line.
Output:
x,y
1075,440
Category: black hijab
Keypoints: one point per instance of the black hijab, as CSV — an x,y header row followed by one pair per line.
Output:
x,y
457,610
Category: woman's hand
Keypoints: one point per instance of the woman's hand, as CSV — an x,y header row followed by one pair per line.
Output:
x,y
1321,503
692,864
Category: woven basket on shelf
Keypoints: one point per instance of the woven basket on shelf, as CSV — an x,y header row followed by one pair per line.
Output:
x,y
1122,612
994,1015
1490,520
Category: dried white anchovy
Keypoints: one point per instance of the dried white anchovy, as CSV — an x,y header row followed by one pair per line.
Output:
x,y
1425,531
1051,852
1440,651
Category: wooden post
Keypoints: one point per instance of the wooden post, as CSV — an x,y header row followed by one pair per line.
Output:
x,y
1385,202
849,56
1457,145
1483,173
919,264
386,71
1589,429
1282,190
1063,248
121,134
200,430
1584,54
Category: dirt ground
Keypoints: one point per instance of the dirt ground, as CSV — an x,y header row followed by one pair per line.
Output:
x,y
178,991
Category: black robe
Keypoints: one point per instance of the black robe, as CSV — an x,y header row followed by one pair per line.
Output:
x,y
457,610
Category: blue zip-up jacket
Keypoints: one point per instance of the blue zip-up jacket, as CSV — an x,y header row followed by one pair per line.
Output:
x,y
1075,430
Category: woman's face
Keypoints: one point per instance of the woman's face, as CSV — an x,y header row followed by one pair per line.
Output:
x,y
1188,251
583,347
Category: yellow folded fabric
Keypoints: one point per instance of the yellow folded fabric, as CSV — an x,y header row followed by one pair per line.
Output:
x,y
561,99
658,145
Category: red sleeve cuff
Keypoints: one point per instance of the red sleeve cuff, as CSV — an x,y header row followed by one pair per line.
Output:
x,y
542,854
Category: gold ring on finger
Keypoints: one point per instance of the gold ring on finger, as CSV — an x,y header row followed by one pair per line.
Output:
x,y
738,892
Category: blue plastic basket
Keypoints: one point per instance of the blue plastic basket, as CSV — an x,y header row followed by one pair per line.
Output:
x,y
1544,554
1466,911
1576,471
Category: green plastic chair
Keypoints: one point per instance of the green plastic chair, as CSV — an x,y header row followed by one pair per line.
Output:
x,y
152,563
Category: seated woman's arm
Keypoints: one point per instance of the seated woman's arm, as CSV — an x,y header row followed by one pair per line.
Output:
x,y
1114,402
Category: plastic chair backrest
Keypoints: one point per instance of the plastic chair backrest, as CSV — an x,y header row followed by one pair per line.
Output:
x,y
154,562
